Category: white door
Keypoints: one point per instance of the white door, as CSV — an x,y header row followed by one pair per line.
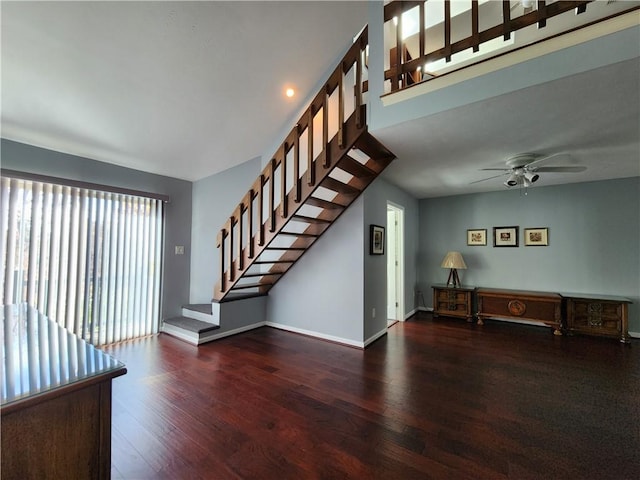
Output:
x,y
395,262
391,265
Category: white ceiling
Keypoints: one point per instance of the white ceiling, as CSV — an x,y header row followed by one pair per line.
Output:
x,y
184,89
594,117
187,89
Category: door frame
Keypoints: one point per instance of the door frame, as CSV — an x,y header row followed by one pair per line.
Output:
x,y
397,230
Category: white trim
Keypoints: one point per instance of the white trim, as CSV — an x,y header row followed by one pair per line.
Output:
x,y
613,25
322,336
407,316
216,334
203,317
375,337
184,335
634,334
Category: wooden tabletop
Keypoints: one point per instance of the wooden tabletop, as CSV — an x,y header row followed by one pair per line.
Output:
x,y
41,359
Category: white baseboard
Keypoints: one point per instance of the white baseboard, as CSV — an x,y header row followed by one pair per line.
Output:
x,y
310,333
411,314
634,334
216,334
186,336
373,338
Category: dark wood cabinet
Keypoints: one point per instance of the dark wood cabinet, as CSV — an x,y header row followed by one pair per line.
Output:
x,y
56,400
521,305
453,301
600,315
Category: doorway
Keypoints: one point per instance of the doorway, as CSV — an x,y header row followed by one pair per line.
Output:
x,y
395,263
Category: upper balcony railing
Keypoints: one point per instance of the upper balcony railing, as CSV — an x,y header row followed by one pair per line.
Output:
x,y
427,39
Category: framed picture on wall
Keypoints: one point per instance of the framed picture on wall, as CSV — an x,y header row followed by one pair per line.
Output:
x,y
505,236
477,237
536,237
376,245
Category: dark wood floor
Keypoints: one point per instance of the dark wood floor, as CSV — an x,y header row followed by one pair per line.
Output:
x,y
438,399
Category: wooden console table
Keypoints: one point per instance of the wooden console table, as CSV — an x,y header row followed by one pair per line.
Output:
x,y
56,400
601,315
521,305
453,301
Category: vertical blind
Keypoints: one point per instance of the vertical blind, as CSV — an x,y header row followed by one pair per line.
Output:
x,y
88,259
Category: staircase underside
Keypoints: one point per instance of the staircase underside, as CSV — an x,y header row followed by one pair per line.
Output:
x,y
298,226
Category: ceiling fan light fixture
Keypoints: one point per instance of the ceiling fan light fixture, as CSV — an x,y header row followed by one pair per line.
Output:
x,y
531,177
512,181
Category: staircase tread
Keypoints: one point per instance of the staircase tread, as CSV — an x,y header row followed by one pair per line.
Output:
x,y
199,307
261,274
250,285
302,218
191,324
355,168
318,202
233,296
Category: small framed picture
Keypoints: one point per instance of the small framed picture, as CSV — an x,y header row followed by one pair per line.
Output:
x,y
376,246
505,236
536,237
477,237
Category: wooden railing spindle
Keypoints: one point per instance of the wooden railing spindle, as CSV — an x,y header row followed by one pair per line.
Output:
x,y
325,126
283,181
222,235
296,166
340,109
395,81
240,229
358,88
272,217
250,225
506,19
475,32
542,16
311,174
232,273
261,212
447,31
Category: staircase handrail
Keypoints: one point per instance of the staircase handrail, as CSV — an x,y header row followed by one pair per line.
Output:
x,y
232,241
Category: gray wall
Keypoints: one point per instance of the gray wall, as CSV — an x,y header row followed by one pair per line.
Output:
x,y
375,266
594,240
323,291
175,285
214,198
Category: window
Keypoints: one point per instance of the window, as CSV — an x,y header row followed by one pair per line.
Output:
x,y
86,258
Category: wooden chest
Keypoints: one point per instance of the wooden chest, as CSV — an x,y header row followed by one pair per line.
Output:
x,y
453,301
598,315
521,305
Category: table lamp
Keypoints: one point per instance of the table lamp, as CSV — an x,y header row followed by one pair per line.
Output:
x,y
453,261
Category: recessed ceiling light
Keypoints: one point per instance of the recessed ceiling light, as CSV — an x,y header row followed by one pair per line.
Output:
x,y
290,92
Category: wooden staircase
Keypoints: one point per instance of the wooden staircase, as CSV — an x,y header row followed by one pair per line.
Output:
x,y
324,164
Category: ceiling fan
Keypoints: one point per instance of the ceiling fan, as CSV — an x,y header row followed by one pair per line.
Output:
x,y
523,169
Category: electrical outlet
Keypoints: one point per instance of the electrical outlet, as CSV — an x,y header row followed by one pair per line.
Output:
x,y
179,249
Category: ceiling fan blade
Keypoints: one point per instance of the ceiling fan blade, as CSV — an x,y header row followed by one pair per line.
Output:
x,y
497,169
544,160
484,179
575,169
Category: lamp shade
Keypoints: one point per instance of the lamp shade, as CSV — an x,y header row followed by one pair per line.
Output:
x,y
453,260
